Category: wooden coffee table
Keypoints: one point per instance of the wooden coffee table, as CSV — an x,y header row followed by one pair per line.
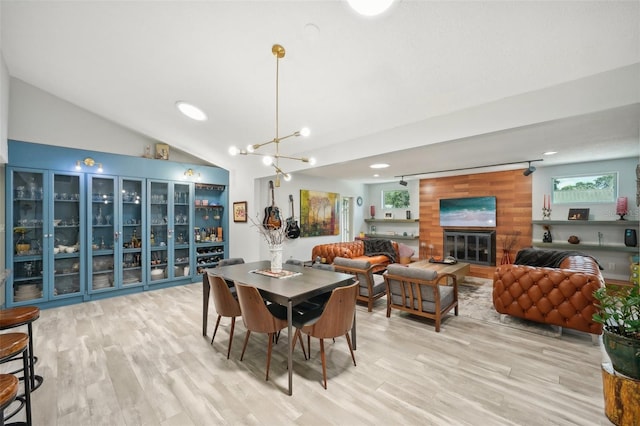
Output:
x,y
460,269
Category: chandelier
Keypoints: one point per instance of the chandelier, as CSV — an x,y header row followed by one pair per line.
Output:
x,y
274,158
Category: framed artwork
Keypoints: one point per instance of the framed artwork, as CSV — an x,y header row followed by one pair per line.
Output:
x,y
388,215
578,214
319,213
162,151
240,211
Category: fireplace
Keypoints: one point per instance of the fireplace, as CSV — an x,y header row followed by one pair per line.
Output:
x,y
471,246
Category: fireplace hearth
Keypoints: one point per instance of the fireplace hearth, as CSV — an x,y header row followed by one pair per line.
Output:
x,y
471,245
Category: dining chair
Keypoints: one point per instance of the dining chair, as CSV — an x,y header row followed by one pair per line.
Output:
x,y
230,261
226,304
336,320
372,286
258,318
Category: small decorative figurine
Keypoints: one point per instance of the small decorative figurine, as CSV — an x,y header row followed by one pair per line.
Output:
x,y
546,238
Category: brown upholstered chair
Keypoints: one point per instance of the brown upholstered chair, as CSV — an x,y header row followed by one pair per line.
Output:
x,y
336,320
226,304
372,285
257,317
421,292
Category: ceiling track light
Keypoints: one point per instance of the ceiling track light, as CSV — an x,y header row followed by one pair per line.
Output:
x,y
403,182
274,159
527,172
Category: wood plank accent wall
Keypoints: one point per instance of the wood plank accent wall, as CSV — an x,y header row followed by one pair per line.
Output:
x,y
513,201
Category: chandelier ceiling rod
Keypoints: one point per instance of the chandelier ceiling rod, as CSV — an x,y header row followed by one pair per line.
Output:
x,y
274,159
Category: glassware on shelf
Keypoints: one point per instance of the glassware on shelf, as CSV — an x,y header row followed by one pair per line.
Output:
x,y
108,219
99,217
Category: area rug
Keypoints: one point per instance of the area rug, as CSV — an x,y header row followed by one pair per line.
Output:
x,y
475,301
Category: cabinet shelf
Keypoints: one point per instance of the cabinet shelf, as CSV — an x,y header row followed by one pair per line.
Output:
x,y
623,223
594,247
392,220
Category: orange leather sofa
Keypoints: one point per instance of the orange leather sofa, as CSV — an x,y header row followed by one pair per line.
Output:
x,y
561,296
351,250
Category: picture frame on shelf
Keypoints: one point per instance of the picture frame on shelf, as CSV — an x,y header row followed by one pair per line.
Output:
x,y
240,211
388,215
578,214
162,151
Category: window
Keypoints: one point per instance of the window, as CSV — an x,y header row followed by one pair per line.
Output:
x,y
594,188
395,199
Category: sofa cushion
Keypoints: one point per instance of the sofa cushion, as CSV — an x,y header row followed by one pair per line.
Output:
x,y
546,258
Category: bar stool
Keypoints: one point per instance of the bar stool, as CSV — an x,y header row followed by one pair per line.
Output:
x,y
16,317
12,345
8,392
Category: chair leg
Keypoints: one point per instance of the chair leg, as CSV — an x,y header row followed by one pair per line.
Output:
x,y
353,357
324,362
370,304
298,336
216,329
269,348
233,326
438,324
246,340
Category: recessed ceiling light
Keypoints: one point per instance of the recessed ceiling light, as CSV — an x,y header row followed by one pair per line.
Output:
x,y
549,152
376,175
191,111
369,7
379,166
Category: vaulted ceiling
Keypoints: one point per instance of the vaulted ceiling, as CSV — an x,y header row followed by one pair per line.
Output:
x,y
427,86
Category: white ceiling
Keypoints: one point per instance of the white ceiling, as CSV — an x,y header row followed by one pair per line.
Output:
x,y
403,87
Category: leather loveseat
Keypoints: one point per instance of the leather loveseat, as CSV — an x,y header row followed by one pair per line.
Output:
x,y
353,250
560,294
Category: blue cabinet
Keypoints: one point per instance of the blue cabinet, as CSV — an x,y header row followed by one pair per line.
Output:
x,y
80,235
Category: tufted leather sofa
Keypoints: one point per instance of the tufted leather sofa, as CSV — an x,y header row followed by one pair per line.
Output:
x,y
351,250
558,296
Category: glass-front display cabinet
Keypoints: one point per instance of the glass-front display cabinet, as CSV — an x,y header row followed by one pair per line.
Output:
x,y
168,227
101,233
67,235
130,236
28,222
45,248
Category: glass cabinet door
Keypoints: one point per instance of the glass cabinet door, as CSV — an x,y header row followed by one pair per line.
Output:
x,y
102,232
158,230
131,236
68,266
28,218
181,230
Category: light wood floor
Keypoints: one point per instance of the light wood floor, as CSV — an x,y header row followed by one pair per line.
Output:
x,y
142,360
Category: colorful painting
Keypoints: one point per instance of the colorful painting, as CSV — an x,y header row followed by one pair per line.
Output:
x,y
319,213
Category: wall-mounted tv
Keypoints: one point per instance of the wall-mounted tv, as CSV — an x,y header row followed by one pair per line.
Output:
x,y
469,212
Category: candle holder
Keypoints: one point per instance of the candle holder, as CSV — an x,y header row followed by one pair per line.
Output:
x,y
546,213
621,215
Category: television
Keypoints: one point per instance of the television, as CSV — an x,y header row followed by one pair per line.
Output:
x,y
468,212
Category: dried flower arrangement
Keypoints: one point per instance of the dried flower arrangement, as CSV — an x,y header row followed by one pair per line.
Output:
x,y
510,240
272,235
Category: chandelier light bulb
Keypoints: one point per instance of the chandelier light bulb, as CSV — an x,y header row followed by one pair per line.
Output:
x,y
267,160
312,161
233,150
287,177
305,132
250,148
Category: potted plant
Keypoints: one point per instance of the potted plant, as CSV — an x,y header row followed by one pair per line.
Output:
x,y
619,313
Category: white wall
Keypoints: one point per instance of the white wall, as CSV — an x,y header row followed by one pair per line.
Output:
x,y
616,265
300,248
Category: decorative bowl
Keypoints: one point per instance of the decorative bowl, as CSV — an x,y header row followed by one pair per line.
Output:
x,y
56,222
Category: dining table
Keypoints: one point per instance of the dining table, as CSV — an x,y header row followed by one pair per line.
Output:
x,y
294,285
